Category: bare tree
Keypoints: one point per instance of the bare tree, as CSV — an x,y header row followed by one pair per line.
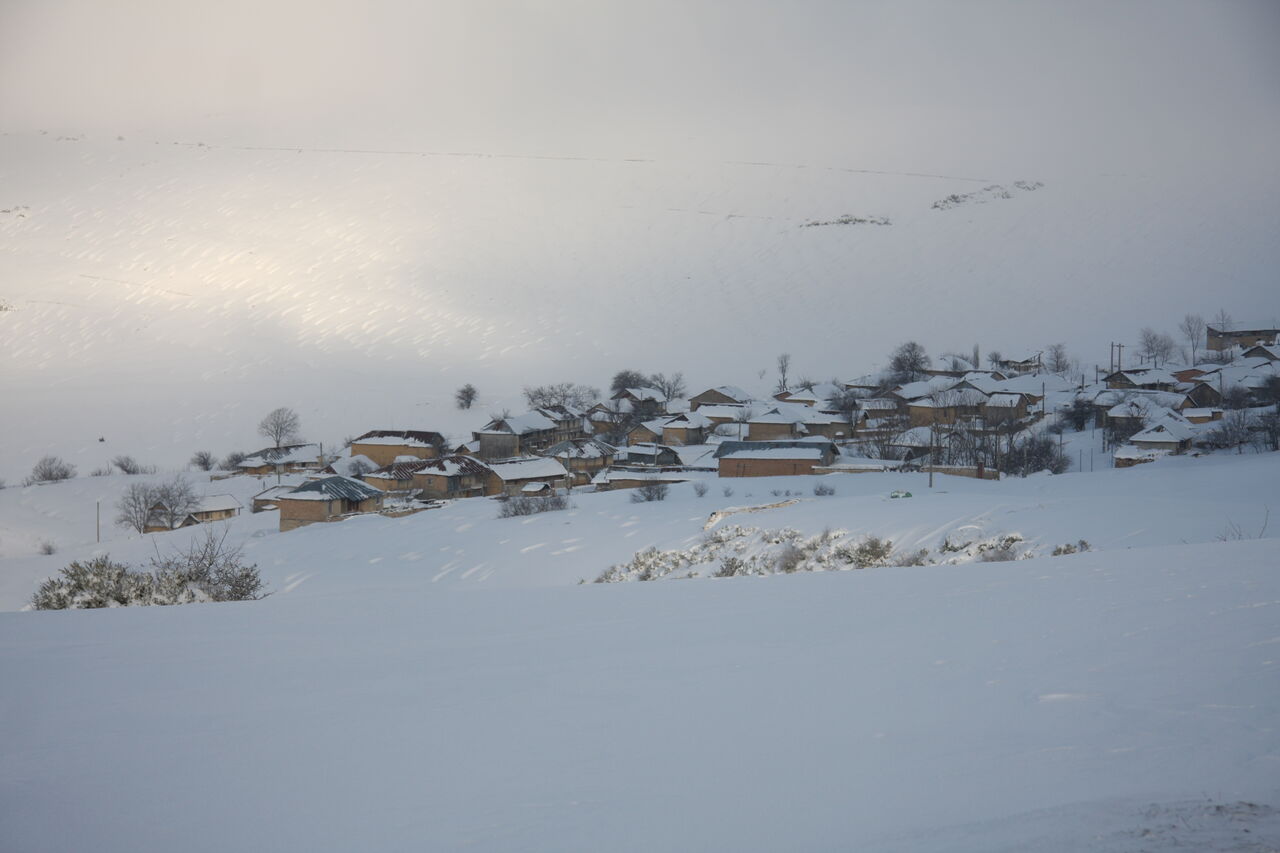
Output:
x,y
742,417
232,460
50,469
1156,346
994,358
280,425
1057,360
671,387
1192,328
1222,321
908,363
203,460
784,364
174,500
561,394
134,507
465,396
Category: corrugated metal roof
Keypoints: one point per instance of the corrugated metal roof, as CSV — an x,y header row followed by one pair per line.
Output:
x,y
343,488
411,436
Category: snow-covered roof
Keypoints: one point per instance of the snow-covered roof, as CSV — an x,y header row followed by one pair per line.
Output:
x,y
217,503
400,438
925,387
333,488
608,476
289,454
775,453
520,424
733,392
878,404
586,448
1005,400
1165,431
453,466
641,394
689,420
524,469
349,466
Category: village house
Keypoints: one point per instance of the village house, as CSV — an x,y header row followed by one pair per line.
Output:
x,y
583,458
397,477
266,499
640,402
385,446
817,396
450,477
327,499
1147,379
286,459
775,425
946,407
1267,352
647,455
210,508
510,477
1218,340
685,428
1005,407
532,432
774,458
1028,363
646,432
609,479
721,395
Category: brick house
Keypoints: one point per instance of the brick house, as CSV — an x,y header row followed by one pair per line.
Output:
x,y
1218,340
210,508
721,395
773,458
327,499
684,429
384,446
582,458
454,476
286,459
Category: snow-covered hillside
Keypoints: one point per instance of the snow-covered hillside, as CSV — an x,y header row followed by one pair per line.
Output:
x,y
167,292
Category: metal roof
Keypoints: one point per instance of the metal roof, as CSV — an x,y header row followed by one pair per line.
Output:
x,y
336,487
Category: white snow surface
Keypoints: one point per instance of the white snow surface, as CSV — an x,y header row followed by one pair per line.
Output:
x,y
440,681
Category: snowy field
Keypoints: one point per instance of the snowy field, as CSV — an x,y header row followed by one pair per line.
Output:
x,y
444,682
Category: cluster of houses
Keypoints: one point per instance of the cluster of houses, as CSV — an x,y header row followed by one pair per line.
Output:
x,y
639,437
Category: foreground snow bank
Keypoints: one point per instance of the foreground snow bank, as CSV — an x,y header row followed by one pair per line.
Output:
x,y
980,707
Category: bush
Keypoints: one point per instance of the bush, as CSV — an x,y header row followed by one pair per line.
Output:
x,y
129,465
700,488
1078,548
526,505
727,492
1036,453
822,490
47,547
870,551
207,571
789,559
731,567
50,469
203,460
650,492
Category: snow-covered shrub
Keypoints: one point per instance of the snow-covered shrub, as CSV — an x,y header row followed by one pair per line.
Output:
x,y
207,571
869,552
822,490
650,492
47,547
1077,548
789,559
131,466
727,492
1035,453
999,551
531,505
700,488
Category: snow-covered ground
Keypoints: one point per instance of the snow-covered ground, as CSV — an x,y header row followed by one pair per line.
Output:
x,y
443,681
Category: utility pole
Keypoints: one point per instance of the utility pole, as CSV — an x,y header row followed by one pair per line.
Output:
x,y
98,521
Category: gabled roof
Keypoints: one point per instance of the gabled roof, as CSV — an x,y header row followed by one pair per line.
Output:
x,y
641,394
217,503
689,420
397,470
582,448
520,424
733,392
333,488
401,437
288,454
524,469
726,448
452,466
